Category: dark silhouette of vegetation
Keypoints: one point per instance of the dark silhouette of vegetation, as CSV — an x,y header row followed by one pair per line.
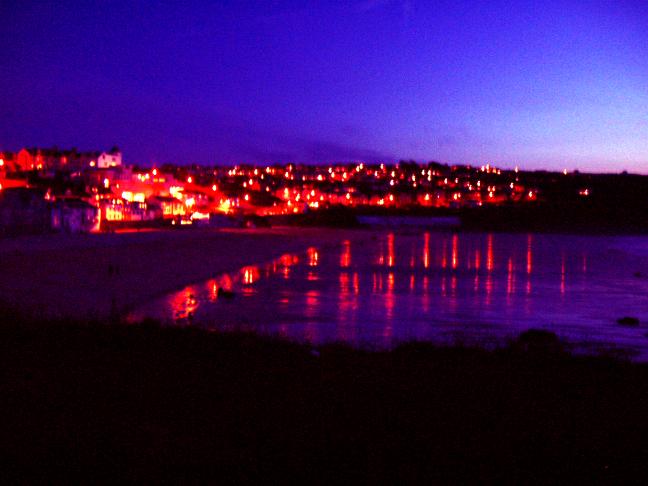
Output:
x,y
115,402
333,217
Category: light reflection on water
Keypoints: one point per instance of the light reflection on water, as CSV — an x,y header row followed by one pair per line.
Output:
x,y
392,287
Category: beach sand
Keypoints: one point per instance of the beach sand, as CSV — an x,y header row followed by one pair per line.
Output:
x,y
99,276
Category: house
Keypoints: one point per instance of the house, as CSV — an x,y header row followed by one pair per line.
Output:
x,y
69,160
7,163
75,216
171,207
112,158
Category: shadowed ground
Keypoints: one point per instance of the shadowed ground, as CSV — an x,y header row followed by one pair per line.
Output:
x,y
141,402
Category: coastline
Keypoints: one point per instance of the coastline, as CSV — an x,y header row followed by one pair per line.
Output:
x,y
100,276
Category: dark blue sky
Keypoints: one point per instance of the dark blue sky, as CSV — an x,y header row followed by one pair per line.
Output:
x,y
547,84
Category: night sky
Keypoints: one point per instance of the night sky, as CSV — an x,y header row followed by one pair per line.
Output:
x,y
537,84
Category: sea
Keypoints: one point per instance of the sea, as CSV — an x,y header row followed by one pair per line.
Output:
x,y
388,287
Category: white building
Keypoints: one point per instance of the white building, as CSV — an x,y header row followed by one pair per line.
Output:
x,y
109,159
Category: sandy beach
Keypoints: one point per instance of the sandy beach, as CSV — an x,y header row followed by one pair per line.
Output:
x,y
96,275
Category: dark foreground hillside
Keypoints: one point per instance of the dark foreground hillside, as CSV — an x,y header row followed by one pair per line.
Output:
x,y
112,402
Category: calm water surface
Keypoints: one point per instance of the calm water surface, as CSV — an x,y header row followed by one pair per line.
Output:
x,y
447,288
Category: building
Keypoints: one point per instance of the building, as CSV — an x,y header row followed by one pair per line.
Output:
x,y
75,216
112,158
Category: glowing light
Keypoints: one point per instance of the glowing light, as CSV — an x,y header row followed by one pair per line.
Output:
x,y
313,257
529,254
224,206
189,179
214,188
154,172
250,275
390,250
92,163
345,256
246,197
489,253
510,281
199,216
106,183
426,250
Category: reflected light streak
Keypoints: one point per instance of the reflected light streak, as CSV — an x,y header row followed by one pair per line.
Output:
x,y
312,303
489,253
313,257
510,278
250,274
390,282
455,251
444,257
183,304
489,288
356,283
529,266
345,256
389,306
390,250
344,282
477,260
212,288
426,250
226,282
412,283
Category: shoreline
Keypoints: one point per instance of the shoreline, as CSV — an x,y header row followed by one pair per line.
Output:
x,y
106,275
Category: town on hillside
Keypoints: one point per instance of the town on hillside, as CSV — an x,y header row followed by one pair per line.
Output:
x,y
49,190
